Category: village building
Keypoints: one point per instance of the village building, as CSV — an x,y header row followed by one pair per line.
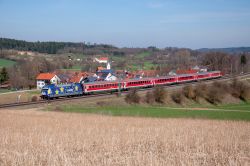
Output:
x,y
200,68
78,77
47,78
106,75
90,79
177,72
101,60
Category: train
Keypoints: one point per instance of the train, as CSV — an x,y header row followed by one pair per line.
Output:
x,y
78,89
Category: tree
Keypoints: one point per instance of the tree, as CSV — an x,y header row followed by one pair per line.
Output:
x,y
3,75
243,62
217,61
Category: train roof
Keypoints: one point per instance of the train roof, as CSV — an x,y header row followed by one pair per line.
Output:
x,y
59,85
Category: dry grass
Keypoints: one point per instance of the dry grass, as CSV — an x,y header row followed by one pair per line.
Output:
x,y
55,138
13,97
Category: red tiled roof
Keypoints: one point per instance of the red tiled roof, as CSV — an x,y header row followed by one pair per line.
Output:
x,y
186,71
103,58
147,73
45,76
76,79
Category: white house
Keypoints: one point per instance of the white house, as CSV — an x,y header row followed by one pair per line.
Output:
x,y
200,68
101,60
106,75
46,78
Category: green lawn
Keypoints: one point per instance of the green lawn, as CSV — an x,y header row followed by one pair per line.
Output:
x,y
143,55
161,112
148,66
76,67
242,107
6,63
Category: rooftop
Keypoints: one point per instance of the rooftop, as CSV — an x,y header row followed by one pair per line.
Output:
x,y
45,76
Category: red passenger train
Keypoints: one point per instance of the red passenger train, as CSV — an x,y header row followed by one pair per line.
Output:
x,y
147,82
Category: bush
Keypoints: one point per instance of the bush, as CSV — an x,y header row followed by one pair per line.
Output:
x,y
177,97
216,92
34,98
150,99
132,97
246,94
159,94
189,92
214,96
200,91
240,90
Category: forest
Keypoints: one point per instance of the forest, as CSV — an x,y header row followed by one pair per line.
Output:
x,y
44,47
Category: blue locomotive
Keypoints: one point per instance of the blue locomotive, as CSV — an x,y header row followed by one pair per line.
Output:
x,y
65,90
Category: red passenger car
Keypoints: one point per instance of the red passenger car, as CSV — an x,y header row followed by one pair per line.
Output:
x,y
138,83
165,80
102,86
186,78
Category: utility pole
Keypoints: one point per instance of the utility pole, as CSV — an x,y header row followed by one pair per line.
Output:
x,y
119,89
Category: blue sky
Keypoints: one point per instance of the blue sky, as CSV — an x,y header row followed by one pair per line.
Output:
x,y
129,23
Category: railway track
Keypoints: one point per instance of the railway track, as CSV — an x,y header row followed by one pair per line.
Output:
x,y
11,105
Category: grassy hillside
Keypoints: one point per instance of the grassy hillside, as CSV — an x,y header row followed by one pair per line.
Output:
x,y
6,63
226,112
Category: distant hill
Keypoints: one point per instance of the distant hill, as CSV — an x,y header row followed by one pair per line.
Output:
x,y
50,47
230,50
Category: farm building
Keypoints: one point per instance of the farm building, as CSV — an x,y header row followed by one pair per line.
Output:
x,y
47,78
101,60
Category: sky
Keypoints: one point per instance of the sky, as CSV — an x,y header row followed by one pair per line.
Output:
x,y
129,23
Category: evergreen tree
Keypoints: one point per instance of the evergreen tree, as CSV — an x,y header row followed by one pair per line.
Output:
x,y
3,75
243,61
